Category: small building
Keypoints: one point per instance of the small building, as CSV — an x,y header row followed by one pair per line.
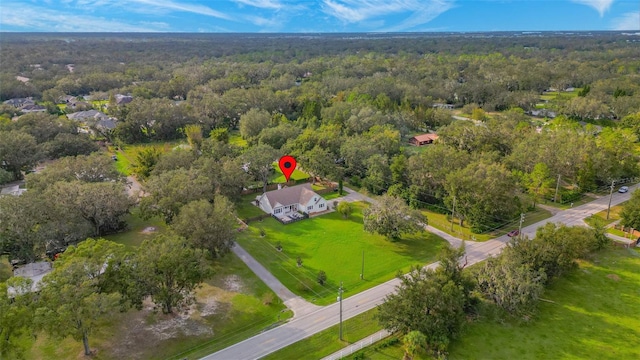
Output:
x,y
20,102
123,99
87,115
443,106
33,108
424,139
294,199
14,190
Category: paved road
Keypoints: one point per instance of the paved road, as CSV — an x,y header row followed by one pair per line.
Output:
x,y
309,324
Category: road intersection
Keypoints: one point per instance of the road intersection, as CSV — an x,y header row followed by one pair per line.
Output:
x,y
309,323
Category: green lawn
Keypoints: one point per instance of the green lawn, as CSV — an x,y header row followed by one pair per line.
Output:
x,y
334,245
614,214
278,176
128,153
443,222
5,268
135,234
328,341
245,208
594,315
236,139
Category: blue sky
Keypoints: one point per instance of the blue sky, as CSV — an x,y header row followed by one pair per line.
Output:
x,y
317,15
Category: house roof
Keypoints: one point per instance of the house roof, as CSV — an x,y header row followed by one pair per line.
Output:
x,y
299,194
80,115
425,137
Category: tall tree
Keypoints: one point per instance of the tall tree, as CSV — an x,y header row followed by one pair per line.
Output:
x,y
631,211
211,227
538,182
253,122
260,161
16,316
18,151
146,160
101,204
170,190
71,300
391,217
170,270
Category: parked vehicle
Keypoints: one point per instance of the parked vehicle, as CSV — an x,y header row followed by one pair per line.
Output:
x,y
623,189
513,233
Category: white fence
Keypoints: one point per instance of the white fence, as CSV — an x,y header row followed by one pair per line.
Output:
x,y
358,345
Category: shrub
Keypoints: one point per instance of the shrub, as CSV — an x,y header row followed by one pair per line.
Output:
x,y
322,277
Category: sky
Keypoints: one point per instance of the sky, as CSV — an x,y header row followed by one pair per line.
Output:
x,y
314,16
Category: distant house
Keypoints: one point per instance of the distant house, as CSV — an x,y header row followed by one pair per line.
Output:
x,y
20,102
87,115
14,190
299,198
443,106
424,139
33,108
106,124
123,99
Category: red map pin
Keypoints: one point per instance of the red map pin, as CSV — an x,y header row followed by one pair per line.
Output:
x,y
287,164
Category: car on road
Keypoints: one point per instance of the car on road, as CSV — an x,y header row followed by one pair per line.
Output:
x,y
623,189
513,233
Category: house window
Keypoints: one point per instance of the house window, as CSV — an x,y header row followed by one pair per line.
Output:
x,y
310,207
321,206
277,211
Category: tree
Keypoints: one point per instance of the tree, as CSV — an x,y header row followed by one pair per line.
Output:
x,y
538,182
319,162
630,213
413,341
170,190
345,209
512,285
101,204
22,232
277,136
170,270
220,134
194,136
260,159
16,315
391,217
207,226
146,159
485,195
428,302
18,151
253,122
72,303
70,145
91,168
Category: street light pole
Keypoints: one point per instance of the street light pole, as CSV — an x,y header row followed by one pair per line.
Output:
x,y
520,228
557,187
340,299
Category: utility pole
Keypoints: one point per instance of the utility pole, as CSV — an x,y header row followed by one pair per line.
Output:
x,y
520,228
340,299
610,196
557,187
362,272
453,212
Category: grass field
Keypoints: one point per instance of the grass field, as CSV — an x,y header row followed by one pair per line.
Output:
x,y
5,268
127,155
328,341
614,215
135,235
593,314
443,222
236,139
334,245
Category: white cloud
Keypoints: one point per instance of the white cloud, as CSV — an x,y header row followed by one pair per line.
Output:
x,y
175,6
628,21
357,11
600,5
264,4
33,18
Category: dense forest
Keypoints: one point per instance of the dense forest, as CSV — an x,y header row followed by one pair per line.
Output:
x,y
543,106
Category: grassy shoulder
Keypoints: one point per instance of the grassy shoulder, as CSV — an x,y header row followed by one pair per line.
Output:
x,y
443,222
138,230
334,245
328,341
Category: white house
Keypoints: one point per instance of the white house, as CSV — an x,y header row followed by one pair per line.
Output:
x,y
292,199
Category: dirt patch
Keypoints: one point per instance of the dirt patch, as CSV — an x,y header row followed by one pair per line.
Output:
x,y
614,277
149,230
233,283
